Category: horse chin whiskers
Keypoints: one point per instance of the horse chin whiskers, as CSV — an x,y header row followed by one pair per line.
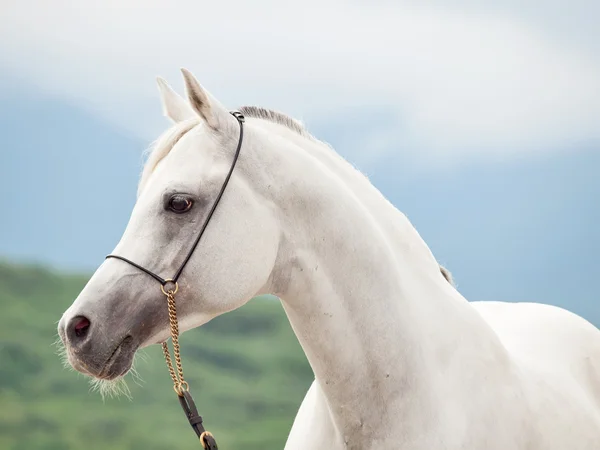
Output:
x,y
114,388
62,353
118,387
106,388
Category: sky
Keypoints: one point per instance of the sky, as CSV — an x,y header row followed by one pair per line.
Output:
x,y
462,80
477,119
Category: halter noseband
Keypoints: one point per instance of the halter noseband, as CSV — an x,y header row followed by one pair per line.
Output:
x,y
169,288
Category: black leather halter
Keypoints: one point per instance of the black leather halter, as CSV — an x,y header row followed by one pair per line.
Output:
x,y
164,281
185,398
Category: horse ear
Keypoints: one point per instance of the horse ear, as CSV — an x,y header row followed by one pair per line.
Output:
x,y
203,103
174,106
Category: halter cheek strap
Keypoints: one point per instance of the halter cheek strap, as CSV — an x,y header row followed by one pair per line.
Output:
x,y
163,281
169,288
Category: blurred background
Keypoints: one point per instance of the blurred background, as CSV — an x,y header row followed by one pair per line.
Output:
x,y
478,120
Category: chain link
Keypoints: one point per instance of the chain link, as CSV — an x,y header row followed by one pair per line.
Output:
x,y
179,383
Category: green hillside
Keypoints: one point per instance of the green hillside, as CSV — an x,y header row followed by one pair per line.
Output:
x,y
247,372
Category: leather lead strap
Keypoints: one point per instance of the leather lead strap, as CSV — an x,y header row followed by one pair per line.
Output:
x,y
191,412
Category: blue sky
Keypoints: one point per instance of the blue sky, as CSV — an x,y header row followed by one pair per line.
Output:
x,y
464,79
477,119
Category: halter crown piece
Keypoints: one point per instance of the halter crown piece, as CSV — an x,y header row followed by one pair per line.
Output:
x,y
169,288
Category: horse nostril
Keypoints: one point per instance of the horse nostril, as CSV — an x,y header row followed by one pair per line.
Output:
x,y
80,325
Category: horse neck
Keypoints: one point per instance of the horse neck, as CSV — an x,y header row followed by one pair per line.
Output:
x,y
378,323
393,221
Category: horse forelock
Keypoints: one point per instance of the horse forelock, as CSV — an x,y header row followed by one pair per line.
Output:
x,y
162,147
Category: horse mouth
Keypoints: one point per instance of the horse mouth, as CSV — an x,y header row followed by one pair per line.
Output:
x,y
119,362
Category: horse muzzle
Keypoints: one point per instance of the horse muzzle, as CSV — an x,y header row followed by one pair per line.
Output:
x,y
94,353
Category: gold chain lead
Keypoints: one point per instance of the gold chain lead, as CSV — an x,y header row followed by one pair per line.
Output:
x,y
179,383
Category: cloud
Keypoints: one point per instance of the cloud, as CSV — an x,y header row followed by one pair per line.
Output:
x,y
458,82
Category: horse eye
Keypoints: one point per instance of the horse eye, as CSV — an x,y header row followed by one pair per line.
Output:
x,y
180,204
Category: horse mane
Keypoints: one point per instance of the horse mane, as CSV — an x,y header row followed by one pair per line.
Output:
x,y
295,125
277,117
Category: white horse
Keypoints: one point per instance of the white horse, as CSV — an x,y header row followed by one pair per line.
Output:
x,y
401,359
